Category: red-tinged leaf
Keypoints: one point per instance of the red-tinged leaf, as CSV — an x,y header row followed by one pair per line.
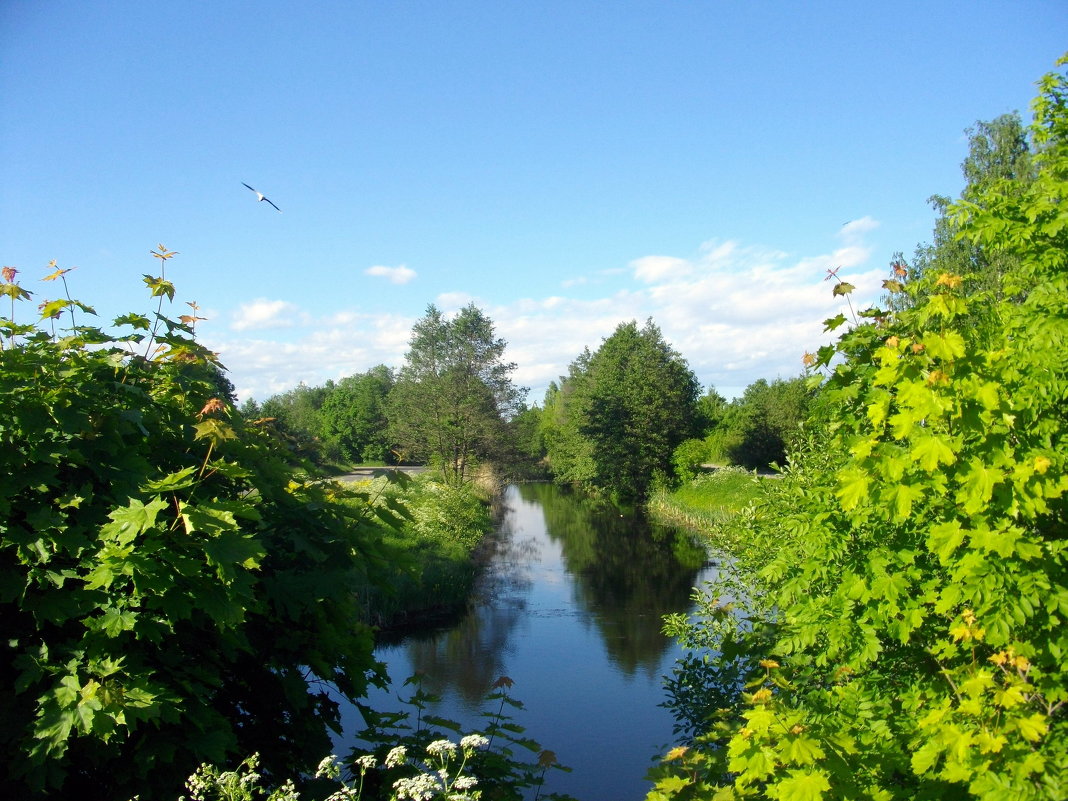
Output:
x,y
52,308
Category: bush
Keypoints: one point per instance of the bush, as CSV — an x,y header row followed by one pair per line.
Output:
x,y
166,587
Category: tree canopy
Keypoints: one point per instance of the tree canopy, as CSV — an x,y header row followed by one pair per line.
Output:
x,y
616,419
454,394
903,633
166,582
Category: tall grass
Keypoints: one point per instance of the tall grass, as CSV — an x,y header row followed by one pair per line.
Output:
x,y
706,503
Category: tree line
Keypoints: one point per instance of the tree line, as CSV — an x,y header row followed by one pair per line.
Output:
x,y
625,416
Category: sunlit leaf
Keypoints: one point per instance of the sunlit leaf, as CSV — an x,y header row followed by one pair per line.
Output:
x,y
832,323
843,288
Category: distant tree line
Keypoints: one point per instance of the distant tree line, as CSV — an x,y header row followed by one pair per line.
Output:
x,y
625,416
631,414
450,405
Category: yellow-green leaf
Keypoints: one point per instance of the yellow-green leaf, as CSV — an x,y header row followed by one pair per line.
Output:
x,y
932,451
802,786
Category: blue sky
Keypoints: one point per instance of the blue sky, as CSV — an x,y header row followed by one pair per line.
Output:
x,y
567,166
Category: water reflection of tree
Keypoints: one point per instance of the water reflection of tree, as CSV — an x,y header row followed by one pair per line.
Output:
x,y
628,575
469,658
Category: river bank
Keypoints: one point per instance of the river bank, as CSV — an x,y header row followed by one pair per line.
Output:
x,y
431,533
705,504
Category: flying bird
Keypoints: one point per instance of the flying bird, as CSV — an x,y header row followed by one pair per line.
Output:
x,y
260,196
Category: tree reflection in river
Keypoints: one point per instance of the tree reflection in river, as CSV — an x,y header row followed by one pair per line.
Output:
x,y
470,656
627,573
570,608
624,576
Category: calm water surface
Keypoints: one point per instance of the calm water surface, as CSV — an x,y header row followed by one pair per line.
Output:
x,y
570,609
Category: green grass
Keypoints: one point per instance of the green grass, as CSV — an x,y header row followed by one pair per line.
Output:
x,y
709,501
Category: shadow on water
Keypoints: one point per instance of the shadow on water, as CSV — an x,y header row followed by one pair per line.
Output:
x,y
570,606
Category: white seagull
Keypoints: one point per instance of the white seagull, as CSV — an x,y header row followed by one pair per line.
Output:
x,y
260,196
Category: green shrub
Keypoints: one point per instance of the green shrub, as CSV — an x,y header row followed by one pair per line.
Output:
x,y
166,587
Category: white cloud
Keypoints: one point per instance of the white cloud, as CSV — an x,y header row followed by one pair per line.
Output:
x,y
401,274
656,268
262,313
735,312
857,228
453,301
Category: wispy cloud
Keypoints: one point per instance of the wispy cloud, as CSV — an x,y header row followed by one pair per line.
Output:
x,y
262,313
735,312
401,274
651,269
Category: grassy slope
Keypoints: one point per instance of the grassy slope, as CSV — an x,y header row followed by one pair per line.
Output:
x,y
706,503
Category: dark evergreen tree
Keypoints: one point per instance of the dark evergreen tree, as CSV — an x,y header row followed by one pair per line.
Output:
x,y
633,403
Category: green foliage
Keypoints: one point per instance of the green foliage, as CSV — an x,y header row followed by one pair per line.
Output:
x,y
431,531
494,755
296,416
766,422
353,416
999,153
166,587
709,501
454,394
624,410
688,457
907,591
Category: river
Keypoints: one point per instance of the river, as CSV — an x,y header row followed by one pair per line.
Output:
x,y
569,608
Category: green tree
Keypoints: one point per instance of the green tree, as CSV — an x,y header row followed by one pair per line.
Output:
x,y
999,152
454,394
296,415
354,416
569,454
908,586
767,422
634,402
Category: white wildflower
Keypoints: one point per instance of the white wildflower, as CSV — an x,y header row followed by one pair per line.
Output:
x,y
442,748
396,757
366,762
287,792
418,788
328,767
473,742
464,782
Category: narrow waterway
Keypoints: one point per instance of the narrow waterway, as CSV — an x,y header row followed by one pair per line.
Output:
x,y
570,610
